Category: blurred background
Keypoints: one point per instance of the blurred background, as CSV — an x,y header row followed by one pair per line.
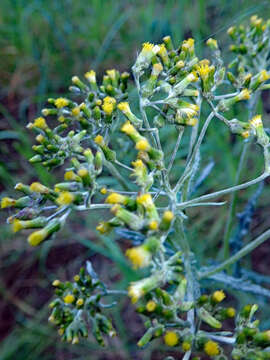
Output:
x,y
42,45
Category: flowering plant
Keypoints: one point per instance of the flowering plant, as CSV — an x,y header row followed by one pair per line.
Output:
x,y
174,87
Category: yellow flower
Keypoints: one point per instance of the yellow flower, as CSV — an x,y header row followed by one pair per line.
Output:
x,y
80,302
151,305
99,140
39,188
171,338
186,346
37,237
139,256
82,172
145,200
230,312
111,73
188,44
61,102
39,122
218,296
153,225
147,47
128,128
211,348
256,121
103,191
245,134
168,215
107,108
244,95
69,299
115,198
56,283
103,227
212,43
124,107
143,145
109,100
91,76
7,202
17,225
70,175
65,198
157,68
40,138
135,291
76,111
138,164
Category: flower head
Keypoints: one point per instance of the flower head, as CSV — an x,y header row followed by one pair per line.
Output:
x,y
91,76
7,202
65,198
115,198
139,256
69,298
61,102
211,348
218,296
171,338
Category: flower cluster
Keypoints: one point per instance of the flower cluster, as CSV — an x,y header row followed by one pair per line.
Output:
x,y
146,197
79,303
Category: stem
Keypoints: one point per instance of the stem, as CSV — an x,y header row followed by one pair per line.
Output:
x,y
195,151
228,226
243,252
183,244
233,199
177,144
225,191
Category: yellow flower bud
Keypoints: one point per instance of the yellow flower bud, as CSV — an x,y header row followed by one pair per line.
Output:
x,y
211,348
39,188
40,123
76,111
218,296
70,175
143,145
65,198
153,225
7,202
139,256
56,283
115,198
128,128
103,191
61,102
99,140
80,302
91,76
256,121
37,237
186,346
17,225
69,299
171,338
230,312
168,215
124,107
151,306
107,108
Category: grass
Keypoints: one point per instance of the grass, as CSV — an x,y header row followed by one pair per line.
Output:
x,y
44,43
